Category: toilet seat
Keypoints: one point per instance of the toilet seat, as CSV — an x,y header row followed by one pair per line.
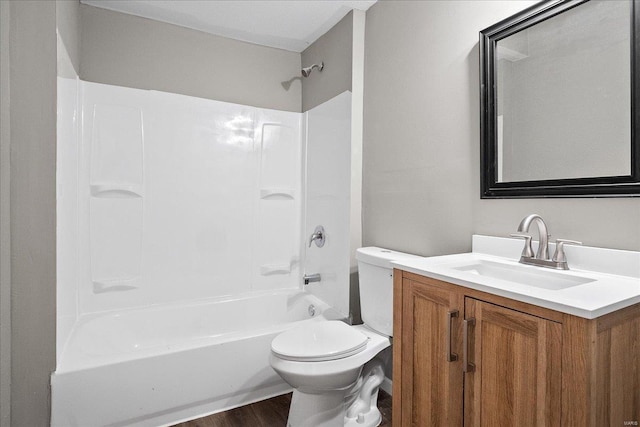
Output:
x,y
319,342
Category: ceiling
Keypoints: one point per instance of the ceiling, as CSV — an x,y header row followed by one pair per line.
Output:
x,y
286,24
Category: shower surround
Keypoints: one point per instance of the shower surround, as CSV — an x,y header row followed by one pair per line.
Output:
x,y
181,229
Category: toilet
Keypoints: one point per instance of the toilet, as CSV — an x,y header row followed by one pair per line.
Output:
x,y
336,369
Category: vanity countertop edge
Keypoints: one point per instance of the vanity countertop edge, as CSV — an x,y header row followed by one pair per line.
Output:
x,y
607,294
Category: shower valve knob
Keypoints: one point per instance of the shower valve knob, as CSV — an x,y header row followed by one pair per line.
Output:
x,y
318,236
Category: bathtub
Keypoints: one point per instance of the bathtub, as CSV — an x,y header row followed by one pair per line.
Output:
x,y
166,364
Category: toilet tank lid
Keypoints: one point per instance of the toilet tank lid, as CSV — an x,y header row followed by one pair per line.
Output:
x,y
380,256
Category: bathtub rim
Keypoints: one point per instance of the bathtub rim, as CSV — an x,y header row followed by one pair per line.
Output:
x,y
65,365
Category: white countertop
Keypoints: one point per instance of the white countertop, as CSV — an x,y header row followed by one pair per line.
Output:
x,y
604,293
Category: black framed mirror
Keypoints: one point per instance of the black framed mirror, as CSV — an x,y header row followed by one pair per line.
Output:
x,y
559,84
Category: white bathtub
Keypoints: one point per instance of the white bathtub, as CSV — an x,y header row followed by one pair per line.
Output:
x,y
162,365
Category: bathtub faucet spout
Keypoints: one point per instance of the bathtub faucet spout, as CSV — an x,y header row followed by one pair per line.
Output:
x,y
308,278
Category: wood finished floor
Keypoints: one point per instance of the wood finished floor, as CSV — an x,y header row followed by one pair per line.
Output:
x,y
270,413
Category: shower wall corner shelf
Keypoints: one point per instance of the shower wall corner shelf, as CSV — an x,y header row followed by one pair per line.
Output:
x,y
277,193
273,269
116,191
115,285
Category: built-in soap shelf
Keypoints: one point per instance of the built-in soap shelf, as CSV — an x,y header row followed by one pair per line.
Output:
x,y
275,269
115,285
116,191
277,193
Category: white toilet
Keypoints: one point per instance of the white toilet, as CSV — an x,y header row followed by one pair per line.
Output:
x,y
332,366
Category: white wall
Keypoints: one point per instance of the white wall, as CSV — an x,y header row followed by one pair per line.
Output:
x,y
328,177
67,239
178,198
67,163
342,51
166,198
421,139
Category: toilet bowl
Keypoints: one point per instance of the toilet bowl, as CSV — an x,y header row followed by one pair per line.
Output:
x,y
336,369
323,380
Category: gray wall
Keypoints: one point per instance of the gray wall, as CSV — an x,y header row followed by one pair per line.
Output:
x,y
32,85
68,23
335,48
421,139
5,224
130,51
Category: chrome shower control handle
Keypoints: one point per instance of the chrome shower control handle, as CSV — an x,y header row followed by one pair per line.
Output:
x,y
318,236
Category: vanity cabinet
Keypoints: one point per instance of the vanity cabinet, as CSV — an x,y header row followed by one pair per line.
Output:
x,y
465,357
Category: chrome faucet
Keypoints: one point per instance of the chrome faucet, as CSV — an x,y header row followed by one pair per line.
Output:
x,y
308,278
559,260
543,246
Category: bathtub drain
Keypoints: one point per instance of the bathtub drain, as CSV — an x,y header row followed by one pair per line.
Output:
x,y
312,310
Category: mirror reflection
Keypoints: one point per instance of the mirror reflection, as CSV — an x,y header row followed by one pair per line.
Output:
x,y
563,96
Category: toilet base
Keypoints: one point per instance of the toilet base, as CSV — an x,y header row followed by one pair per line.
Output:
x,y
355,406
317,410
363,402
373,418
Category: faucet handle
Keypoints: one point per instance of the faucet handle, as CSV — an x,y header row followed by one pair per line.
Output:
x,y
318,236
559,255
528,250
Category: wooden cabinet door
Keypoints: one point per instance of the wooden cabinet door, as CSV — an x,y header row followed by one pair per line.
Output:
x,y
431,381
516,377
618,368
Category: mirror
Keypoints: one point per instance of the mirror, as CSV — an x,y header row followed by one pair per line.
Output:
x,y
558,88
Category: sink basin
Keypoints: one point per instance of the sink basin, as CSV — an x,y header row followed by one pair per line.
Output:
x,y
525,275
600,282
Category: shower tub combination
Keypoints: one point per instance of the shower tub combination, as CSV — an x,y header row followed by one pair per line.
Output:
x,y
180,249
163,365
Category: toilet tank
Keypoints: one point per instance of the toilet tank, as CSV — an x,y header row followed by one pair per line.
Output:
x,y
376,286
